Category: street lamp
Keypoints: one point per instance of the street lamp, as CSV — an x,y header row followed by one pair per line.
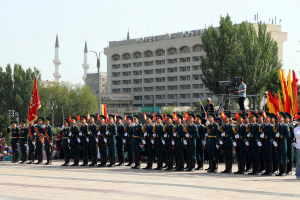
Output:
x,y
98,66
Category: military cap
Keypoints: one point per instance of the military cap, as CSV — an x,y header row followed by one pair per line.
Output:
x,y
211,114
273,115
23,122
288,115
169,116
13,122
92,116
66,120
282,114
47,119
119,117
83,117
111,116
41,118
241,115
75,118
228,115
179,116
149,116
269,114
298,113
259,114
159,117
102,117
199,117
136,116
246,115
217,118
192,115
129,117
253,114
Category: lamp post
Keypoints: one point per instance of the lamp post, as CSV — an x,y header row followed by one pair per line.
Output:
x,y
98,66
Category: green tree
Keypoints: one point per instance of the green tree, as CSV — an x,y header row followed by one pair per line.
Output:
x,y
239,50
4,124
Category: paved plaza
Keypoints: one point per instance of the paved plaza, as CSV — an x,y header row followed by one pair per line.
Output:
x,y
51,182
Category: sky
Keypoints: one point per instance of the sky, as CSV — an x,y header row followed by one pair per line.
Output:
x,y
29,28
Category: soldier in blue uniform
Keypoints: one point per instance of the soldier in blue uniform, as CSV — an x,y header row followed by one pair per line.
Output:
x,y
228,134
31,142
255,144
148,136
179,134
241,143
48,140
111,132
138,137
120,141
213,142
66,142
129,142
200,143
92,132
83,130
39,132
169,143
14,139
102,141
23,140
289,141
267,135
158,135
191,135
74,137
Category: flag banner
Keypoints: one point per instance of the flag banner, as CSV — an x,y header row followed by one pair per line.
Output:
x,y
35,104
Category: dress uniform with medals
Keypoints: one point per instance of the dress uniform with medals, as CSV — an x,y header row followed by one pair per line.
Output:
x,y
191,134
254,146
111,132
65,143
179,144
148,135
200,144
120,142
158,134
14,139
290,148
39,132
48,138
102,141
83,130
31,143
92,132
129,133
23,139
74,134
169,144
274,149
138,136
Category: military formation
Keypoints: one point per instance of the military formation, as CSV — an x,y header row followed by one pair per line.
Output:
x,y
261,142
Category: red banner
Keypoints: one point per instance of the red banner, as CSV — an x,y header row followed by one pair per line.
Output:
x,y
35,104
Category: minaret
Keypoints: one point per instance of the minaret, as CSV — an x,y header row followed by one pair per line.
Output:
x,y
128,38
57,62
86,64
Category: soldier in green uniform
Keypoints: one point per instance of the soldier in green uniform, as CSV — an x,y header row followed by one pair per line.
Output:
x,y
14,139
23,140
289,141
263,164
158,135
48,140
213,142
111,132
148,135
200,143
39,132
31,142
228,134
120,141
241,143
255,144
281,136
92,132
74,137
248,160
191,135
102,141
66,142
138,137
179,134
169,143
83,130
129,142
267,135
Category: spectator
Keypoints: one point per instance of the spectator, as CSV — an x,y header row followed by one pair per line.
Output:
x,y
5,157
1,134
10,156
297,146
58,147
242,94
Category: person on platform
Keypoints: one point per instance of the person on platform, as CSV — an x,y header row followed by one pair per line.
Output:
x,y
148,135
23,139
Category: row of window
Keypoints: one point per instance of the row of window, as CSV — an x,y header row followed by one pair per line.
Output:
x,y
158,88
169,96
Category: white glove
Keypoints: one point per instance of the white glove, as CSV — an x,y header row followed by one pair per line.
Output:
x,y
174,134
234,144
43,144
277,134
87,139
249,134
68,140
184,142
163,142
125,134
98,133
107,132
152,141
204,142
124,140
223,134
17,143
173,143
25,145
154,135
247,143
237,136
294,144
165,135
145,134
259,143
217,146
51,144
33,143
206,134
275,143
262,135
80,134
69,147
78,140
221,142
141,146
70,134
62,127
89,132
105,140
187,135
97,140
34,133
143,141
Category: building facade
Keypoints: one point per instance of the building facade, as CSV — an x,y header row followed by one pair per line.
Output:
x,y
92,81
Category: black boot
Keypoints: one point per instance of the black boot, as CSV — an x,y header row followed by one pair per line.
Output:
x,y
210,165
121,161
289,168
24,156
226,167
150,164
282,170
198,164
75,160
253,168
16,157
275,167
248,166
193,163
189,164
239,168
176,163
48,161
148,161
41,160
170,168
214,168
93,162
30,159
269,169
263,167
65,164
243,163
229,168
159,164
166,165
83,161
112,161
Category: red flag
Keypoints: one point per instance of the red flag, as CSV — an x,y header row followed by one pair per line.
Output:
x,y
249,113
98,116
70,120
145,116
165,116
79,117
154,117
295,92
287,103
296,116
277,114
276,105
223,114
35,103
264,114
205,115
125,119
195,117
88,116
237,115
186,115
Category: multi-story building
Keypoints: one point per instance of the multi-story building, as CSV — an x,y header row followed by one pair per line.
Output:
x,y
166,67
92,81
